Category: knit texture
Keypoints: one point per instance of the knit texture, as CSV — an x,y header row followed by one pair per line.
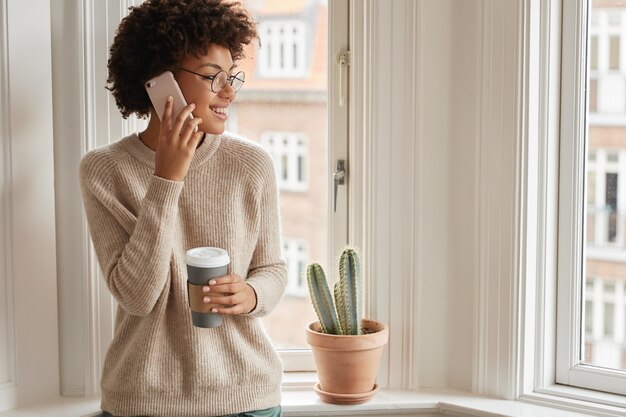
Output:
x,y
158,363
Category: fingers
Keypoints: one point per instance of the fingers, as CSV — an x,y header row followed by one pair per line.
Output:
x,y
228,291
226,300
167,112
238,309
227,283
190,128
184,126
195,139
182,117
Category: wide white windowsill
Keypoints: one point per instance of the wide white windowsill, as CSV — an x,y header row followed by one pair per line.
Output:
x,y
304,402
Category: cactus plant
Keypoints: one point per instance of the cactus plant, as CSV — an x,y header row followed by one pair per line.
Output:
x,y
342,317
322,301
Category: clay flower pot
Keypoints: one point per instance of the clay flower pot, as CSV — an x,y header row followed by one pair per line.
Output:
x,y
347,364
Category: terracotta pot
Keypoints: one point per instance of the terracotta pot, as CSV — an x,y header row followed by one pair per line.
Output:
x,y
347,365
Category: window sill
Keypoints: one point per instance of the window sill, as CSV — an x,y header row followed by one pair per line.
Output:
x,y
304,402
577,399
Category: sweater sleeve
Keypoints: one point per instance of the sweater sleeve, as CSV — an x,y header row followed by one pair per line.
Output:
x,y
134,259
267,274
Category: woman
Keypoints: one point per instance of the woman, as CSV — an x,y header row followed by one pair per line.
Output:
x,y
153,195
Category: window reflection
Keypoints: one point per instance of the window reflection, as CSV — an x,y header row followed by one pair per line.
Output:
x,y
604,315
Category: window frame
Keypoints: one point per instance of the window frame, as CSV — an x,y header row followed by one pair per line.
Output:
x,y
292,150
292,256
546,27
571,246
299,41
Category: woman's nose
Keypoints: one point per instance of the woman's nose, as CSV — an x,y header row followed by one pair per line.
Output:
x,y
228,92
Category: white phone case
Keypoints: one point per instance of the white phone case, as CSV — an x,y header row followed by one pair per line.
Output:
x,y
160,88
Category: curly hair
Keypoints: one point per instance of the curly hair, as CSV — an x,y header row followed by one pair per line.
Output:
x,y
156,35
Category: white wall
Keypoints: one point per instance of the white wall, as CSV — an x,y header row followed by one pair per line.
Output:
x,y
416,145
67,88
28,305
442,139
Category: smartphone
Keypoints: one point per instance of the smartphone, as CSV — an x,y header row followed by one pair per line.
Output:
x,y
160,88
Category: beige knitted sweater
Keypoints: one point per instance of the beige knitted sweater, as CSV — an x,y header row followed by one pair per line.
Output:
x,y
158,363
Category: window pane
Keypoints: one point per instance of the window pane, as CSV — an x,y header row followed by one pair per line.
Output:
x,y
282,106
611,205
614,52
604,331
593,95
591,188
593,53
609,313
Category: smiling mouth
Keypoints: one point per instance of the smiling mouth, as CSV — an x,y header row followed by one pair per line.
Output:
x,y
220,112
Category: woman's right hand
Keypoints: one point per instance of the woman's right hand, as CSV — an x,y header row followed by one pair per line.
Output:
x,y
177,142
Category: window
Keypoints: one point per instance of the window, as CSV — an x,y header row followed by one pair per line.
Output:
x,y
282,54
296,252
607,83
284,108
289,151
591,335
605,220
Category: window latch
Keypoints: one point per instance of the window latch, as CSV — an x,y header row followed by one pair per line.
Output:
x,y
343,60
339,179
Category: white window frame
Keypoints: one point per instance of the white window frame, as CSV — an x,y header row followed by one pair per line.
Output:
x,y
29,330
293,257
272,43
603,33
297,146
571,247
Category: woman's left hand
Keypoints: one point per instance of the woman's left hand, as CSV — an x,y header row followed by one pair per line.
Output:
x,y
240,298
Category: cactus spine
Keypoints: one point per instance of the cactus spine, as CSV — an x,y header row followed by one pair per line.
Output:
x,y
347,293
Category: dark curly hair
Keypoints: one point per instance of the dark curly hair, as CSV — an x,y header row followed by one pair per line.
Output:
x,y
156,35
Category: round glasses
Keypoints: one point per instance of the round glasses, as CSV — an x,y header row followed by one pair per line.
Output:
x,y
219,80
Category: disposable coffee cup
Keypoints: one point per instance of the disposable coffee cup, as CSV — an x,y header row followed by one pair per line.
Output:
x,y
204,264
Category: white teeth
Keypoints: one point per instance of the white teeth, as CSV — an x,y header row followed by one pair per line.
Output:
x,y
222,110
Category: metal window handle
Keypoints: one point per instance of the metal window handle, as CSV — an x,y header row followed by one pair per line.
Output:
x,y
343,60
339,178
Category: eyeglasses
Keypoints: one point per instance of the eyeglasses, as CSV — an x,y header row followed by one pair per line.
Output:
x,y
219,80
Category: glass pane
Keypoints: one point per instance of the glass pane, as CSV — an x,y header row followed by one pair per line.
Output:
x,y
614,52
604,329
609,313
283,102
593,53
593,95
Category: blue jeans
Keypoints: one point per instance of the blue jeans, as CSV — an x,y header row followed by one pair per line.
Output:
x,y
268,412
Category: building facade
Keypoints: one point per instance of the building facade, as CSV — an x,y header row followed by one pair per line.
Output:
x,y
283,107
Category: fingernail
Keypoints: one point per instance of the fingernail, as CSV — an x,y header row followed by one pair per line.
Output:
x,y
169,99
206,289
212,282
207,299
192,105
214,310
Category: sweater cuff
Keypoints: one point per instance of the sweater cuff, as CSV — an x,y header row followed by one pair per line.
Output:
x,y
260,309
164,192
